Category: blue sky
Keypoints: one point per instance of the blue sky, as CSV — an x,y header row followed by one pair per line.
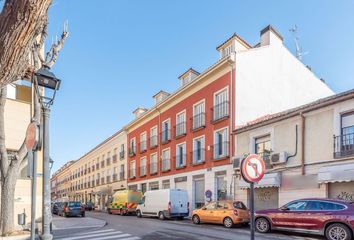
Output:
x,y
120,53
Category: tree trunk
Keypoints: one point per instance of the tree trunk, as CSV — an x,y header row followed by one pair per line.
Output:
x,y
21,22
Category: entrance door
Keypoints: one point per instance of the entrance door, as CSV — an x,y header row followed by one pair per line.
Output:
x,y
266,198
199,189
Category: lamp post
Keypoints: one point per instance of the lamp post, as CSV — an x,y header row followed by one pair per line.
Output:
x,y
46,79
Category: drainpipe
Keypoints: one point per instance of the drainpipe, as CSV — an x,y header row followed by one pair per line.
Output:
x,y
302,143
231,147
159,163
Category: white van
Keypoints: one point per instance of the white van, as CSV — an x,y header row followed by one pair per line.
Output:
x,y
164,203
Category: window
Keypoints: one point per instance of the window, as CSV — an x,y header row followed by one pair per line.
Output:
x,y
165,134
121,173
143,142
221,144
132,169
198,150
347,135
153,163
180,124
180,155
262,148
142,166
132,150
221,105
297,206
165,184
166,160
211,206
154,186
121,152
323,206
153,137
199,116
227,50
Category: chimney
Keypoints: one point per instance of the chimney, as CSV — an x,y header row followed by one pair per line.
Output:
x,y
188,76
160,96
139,111
270,36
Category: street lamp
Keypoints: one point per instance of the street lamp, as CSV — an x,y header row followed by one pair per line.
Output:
x,y
51,162
46,79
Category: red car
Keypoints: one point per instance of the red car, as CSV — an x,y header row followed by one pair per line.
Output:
x,y
332,218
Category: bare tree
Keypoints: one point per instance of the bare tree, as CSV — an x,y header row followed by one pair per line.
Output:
x,y
23,29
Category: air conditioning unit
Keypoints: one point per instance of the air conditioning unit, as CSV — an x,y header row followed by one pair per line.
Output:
x,y
278,158
236,161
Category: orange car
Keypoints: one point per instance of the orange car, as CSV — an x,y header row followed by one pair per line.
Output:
x,y
222,212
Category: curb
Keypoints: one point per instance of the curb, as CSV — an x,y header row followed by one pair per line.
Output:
x,y
19,237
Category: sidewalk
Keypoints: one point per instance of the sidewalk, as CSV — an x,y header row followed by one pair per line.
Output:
x,y
19,237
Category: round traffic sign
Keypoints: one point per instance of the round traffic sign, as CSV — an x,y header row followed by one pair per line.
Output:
x,y
32,136
252,168
208,193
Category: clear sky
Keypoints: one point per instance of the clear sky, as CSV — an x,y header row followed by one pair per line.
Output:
x,y
120,53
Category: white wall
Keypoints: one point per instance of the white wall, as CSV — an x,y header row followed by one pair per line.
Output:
x,y
270,79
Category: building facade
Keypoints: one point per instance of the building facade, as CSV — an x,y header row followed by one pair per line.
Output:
x,y
308,151
95,176
184,140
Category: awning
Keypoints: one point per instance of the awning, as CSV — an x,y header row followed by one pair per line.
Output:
x,y
269,180
336,173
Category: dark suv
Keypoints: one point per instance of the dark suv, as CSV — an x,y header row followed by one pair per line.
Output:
x,y
67,209
332,218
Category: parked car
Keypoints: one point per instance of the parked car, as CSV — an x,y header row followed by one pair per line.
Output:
x,y
89,206
55,207
225,212
124,202
164,203
71,208
332,218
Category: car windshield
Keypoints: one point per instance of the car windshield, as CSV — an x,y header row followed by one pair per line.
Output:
x,y
74,204
239,205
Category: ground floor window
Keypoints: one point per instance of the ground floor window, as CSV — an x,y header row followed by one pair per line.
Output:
x,y
165,184
133,187
221,187
154,185
199,189
143,187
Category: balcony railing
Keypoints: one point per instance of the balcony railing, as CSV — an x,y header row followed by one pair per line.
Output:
x,y
142,171
108,161
89,184
93,183
343,145
89,170
198,121
266,158
142,146
97,182
165,136
180,160
221,150
153,168
121,155
153,141
132,152
180,129
220,111
121,176
102,164
102,180
166,164
97,166
114,177
198,156
108,179
114,158
132,173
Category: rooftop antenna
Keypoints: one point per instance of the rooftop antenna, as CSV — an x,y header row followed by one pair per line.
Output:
x,y
299,52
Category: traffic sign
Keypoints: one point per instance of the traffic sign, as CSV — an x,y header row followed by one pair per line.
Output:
x,y
252,168
208,193
32,137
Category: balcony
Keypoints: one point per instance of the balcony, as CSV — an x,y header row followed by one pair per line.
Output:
x,y
153,168
114,158
198,156
343,145
93,183
97,182
198,121
82,186
221,150
132,173
89,170
132,152
166,164
102,164
97,166
220,111
121,155
153,141
108,179
115,177
121,176
180,161
180,129
142,146
102,180
108,161
89,184
85,186
85,171
165,136
142,171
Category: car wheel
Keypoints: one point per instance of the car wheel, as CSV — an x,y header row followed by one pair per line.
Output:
x,y
196,219
338,231
161,216
262,225
228,222
138,214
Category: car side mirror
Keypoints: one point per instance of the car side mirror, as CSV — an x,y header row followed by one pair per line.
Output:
x,y
284,208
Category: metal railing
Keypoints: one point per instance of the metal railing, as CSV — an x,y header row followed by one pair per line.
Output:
x,y
108,179
102,164
93,183
343,145
153,168
142,146
266,158
180,160
121,155
102,180
166,164
180,129
132,173
153,141
114,158
220,111
97,182
198,121
142,171
108,161
132,152
97,166
121,176
221,150
165,136
114,177
198,156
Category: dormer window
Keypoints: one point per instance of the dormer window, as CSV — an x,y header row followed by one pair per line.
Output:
x,y
228,50
188,76
160,96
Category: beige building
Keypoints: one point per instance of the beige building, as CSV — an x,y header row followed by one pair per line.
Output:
x,y
308,151
17,117
96,175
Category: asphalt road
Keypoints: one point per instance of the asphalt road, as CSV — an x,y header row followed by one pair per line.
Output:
x,y
133,228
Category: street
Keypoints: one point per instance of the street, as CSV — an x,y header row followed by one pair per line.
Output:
x,y
132,228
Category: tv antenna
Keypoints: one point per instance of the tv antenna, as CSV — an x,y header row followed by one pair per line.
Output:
x,y
299,52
